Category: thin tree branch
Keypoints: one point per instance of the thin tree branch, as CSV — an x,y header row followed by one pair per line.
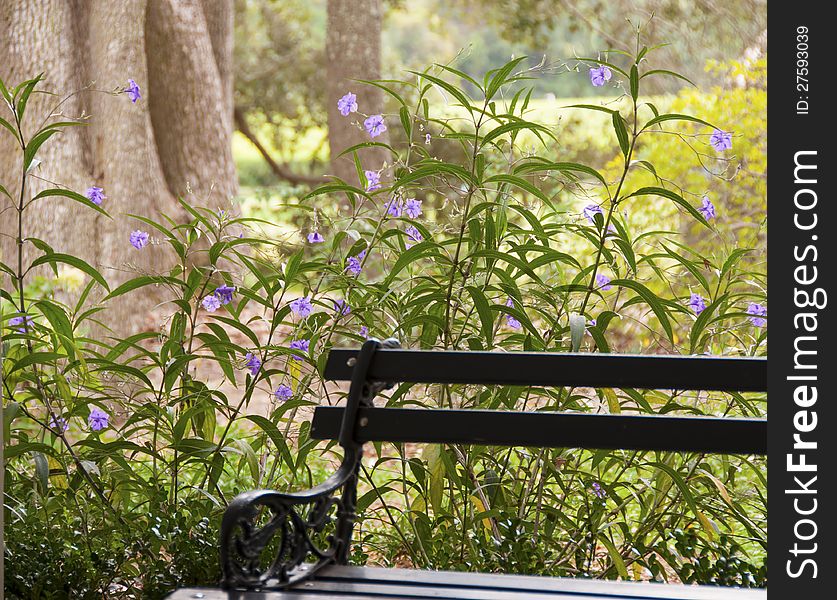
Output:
x,y
281,171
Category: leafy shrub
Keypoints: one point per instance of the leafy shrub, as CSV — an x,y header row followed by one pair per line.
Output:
x,y
496,247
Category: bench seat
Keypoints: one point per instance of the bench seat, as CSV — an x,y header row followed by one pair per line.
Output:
x,y
365,583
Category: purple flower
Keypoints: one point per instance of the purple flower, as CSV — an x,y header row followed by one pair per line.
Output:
x,y
375,125
600,75
224,293
22,323
697,303
373,180
364,331
98,419
347,104
315,237
211,303
133,91
59,423
284,393
342,307
95,195
591,211
354,263
254,363
301,345
721,140
512,322
414,236
427,138
139,239
758,311
413,208
395,207
592,322
707,209
302,307
597,490
603,281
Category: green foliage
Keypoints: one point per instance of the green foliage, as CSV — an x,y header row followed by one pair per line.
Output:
x,y
503,257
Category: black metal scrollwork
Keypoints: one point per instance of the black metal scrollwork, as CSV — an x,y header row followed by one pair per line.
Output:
x,y
304,531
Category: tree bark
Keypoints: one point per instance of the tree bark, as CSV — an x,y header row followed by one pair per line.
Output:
x,y
353,51
176,140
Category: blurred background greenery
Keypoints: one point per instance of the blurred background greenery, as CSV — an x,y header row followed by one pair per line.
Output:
x,y
280,76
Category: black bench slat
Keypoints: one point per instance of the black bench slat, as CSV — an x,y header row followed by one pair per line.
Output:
x,y
548,429
582,589
558,369
408,590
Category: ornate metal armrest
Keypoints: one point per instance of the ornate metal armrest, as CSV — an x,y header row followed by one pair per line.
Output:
x,y
292,526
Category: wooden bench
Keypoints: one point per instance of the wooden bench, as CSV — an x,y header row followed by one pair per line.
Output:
x,y
308,534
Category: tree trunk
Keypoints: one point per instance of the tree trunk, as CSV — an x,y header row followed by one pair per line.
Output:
x,y
176,140
353,51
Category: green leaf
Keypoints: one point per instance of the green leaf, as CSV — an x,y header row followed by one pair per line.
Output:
x,y
505,257
34,144
634,82
41,471
690,266
681,484
675,117
10,127
514,127
461,74
249,455
518,182
651,299
544,165
411,255
41,358
434,167
73,196
4,91
577,326
73,261
142,281
356,147
666,72
621,132
605,63
596,107
406,123
674,197
28,87
485,314
617,559
436,468
702,321
500,76
733,259
599,339
60,324
450,89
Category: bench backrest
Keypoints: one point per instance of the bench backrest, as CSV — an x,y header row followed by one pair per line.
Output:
x,y
551,429
296,517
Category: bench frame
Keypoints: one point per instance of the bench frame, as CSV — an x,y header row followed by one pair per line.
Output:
x,y
299,519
